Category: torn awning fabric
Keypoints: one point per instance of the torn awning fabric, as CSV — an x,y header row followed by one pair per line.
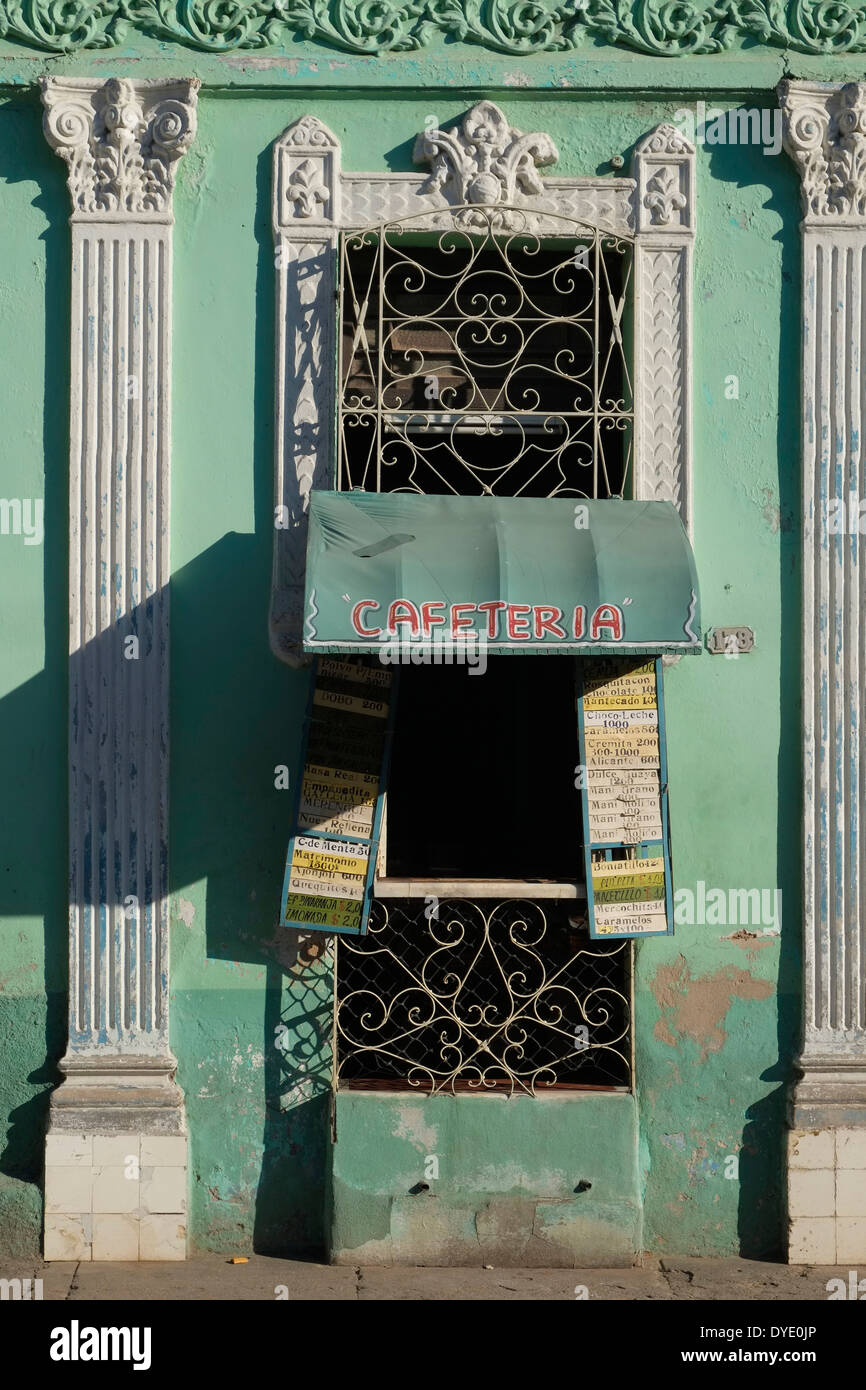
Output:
x,y
531,575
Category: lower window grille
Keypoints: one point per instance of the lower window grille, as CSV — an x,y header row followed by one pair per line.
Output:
x,y
505,995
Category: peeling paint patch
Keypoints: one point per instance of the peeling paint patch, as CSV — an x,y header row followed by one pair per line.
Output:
x,y
305,1089
696,1008
412,1126
185,911
256,1060
753,941
246,63
773,513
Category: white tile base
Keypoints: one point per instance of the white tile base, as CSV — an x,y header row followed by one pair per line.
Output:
x,y
115,1197
826,1196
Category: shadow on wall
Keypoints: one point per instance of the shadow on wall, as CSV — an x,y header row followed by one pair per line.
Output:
x,y
236,715
33,728
230,824
762,1165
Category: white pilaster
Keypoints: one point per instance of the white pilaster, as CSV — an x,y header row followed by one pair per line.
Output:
x,y
121,142
664,172
825,134
306,210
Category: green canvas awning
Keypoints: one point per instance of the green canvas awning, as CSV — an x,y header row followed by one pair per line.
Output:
x,y
531,575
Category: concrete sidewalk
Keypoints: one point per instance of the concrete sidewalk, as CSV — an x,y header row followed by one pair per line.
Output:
x,y
266,1278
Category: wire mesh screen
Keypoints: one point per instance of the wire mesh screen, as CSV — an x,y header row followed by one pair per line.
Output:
x,y
483,362
455,995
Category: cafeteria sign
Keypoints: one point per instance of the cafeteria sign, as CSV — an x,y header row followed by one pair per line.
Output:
x,y
332,852
623,779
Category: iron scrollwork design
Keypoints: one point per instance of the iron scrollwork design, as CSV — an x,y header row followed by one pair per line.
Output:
x,y
491,362
484,995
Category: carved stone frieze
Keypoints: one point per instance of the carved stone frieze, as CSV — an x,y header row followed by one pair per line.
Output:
x,y
403,26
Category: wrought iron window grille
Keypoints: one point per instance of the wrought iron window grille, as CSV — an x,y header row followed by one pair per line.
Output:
x,y
486,333
485,996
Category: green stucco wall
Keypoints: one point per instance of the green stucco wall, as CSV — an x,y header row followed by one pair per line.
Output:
x,y
548,1181
716,1018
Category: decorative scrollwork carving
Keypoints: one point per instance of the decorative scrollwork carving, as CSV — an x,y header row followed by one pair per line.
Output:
x,y
825,135
307,189
121,141
516,27
484,161
663,196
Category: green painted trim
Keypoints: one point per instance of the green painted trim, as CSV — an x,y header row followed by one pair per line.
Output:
x,y
446,68
514,27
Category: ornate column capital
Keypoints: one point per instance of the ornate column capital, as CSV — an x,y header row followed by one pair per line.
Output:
x,y
824,132
121,141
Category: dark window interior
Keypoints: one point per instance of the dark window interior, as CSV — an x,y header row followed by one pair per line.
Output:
x,y
482,772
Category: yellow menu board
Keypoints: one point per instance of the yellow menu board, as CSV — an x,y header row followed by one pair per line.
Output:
x,y
332,852
624,788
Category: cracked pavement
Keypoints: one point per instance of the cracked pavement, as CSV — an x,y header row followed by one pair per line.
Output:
x,y
265,1277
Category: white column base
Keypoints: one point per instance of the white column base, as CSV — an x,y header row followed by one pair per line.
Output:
x,y
116,1161
827,1196
115,1197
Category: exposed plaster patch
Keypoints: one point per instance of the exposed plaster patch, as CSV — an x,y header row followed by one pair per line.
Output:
x,y
514,1177
696,1008
254,1059
753,941
245,62
305,1089
517,79
411,1125
185,911
772,513
701,1166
